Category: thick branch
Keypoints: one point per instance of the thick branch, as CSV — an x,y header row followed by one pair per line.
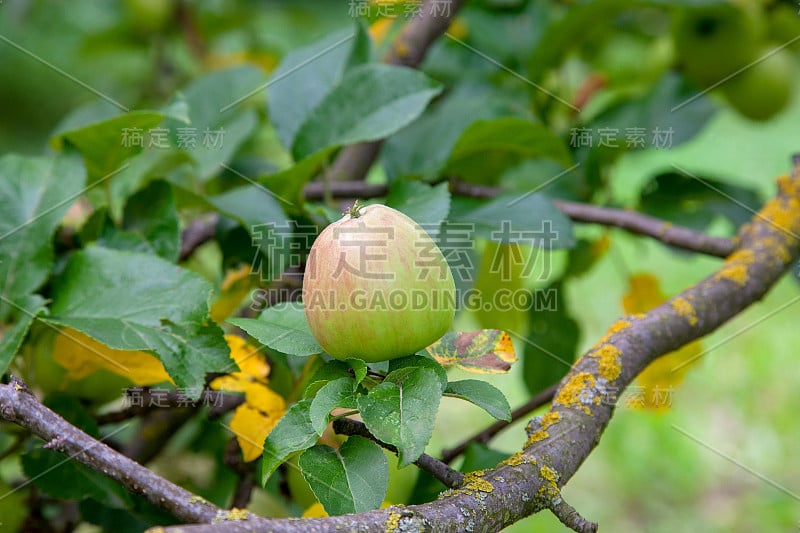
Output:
x,y
449,477
18,405
560,441
408,49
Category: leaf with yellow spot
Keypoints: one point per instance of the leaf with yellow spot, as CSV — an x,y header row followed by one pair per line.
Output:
x,y
254,419
82,356
235,288
487,351
658,381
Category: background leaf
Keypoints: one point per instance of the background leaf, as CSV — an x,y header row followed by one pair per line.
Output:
x,y
371,102
35,193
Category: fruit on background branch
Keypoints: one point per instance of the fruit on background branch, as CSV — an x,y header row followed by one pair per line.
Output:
x,y
764,89
715,40
376,286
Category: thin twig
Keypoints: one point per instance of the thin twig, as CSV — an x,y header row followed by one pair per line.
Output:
x,y
449,477
666,232
487,434
144,400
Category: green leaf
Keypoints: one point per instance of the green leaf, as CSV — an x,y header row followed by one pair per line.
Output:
x,y
423,147
418,361
258,211
359,369
372,102
529,219
293,433
483,394
403,414
551,346
28,309
219,122
427,205
282,327
478,456
330,371
55,475
672,105
35,193
488,147
106,137
306,75
336,393
288,183
352,479
132,301
151,217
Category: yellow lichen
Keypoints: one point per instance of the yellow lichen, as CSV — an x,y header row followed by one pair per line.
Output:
x,y
393,522
536,436
479,484
735,268
550,418
515,460
616,327
576,391
608,361
232,515
685,309
237,514
548,474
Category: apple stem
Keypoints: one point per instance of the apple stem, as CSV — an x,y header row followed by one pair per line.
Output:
x,y
355,210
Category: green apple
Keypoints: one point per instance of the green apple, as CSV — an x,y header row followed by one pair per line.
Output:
x,y
376,286
713,41
764,89
149,16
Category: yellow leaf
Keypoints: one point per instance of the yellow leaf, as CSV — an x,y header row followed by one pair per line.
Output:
x,y
486,351
458,28
251,426
656,384
254,419
644,294
234,289
81,355
247,357
379,29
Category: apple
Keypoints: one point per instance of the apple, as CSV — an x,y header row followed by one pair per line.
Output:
x,y
764,89
715,40
376,286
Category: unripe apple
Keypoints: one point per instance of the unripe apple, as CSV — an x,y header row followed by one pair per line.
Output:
x,y
376,286
764,89
715,40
